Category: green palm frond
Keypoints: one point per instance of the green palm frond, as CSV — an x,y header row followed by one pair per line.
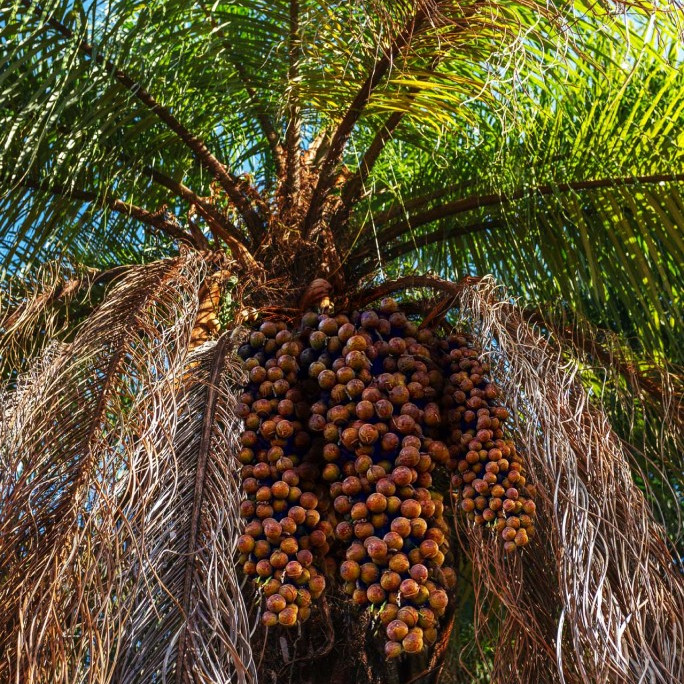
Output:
x,y
536,141
575,196
78,120
119,112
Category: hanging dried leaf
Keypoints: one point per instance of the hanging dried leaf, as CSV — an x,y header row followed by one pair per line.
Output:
x,y
99,449
599,596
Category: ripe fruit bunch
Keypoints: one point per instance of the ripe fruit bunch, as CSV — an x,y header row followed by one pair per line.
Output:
x,y
489,475
284,534
346,419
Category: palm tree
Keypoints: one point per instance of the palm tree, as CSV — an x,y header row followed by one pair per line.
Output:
x,y
158,157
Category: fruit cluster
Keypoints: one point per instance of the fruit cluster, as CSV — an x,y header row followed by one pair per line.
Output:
x,y
489,477
346,420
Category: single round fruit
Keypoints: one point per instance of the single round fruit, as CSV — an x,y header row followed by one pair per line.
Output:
x,y
393,649
439,601
276,603
409,588
401,526
294,569
269,619
376,594
288,616
390,580
419,573
288,592
408,615
350,571
413,643
397,630
399,563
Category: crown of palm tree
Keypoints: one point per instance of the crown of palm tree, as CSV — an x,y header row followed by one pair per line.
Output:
x,y
277,141
534,140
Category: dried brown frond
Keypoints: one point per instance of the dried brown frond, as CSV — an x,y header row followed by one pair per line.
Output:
x,y
190,622
41,306
598,597
100,444
644,400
